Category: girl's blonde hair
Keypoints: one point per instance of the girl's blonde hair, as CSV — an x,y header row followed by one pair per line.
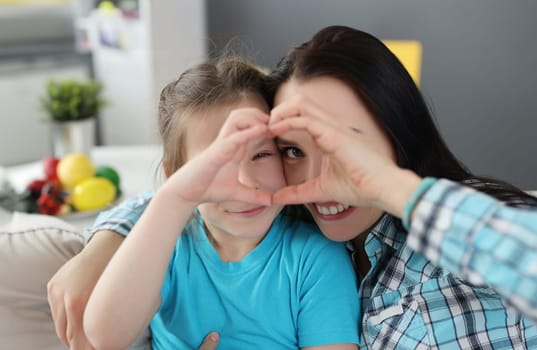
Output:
x,y
206,85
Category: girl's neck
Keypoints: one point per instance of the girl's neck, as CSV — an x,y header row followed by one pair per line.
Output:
x,y
232,248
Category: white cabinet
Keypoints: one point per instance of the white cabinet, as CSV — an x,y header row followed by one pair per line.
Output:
x,y
166,38
24,132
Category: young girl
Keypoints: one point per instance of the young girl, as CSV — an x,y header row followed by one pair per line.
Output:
x,y
238,267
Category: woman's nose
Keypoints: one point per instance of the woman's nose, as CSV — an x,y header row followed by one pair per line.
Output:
x,y
314,167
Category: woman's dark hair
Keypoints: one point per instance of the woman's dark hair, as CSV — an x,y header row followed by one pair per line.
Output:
x,y
374,73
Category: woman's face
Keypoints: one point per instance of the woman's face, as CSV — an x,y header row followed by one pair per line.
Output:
x,y
302,159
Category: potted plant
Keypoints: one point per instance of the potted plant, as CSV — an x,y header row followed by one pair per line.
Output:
x,y
72,107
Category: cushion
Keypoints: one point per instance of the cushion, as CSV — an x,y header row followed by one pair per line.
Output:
x,y
32,248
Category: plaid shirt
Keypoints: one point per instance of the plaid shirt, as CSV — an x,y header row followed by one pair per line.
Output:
x,y
407,302
481,240
122,217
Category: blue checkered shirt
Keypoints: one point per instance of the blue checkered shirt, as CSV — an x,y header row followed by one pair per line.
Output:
x,y
481,240
121,218
409,302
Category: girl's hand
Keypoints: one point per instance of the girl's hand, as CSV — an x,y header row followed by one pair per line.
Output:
x,y
351,172
213,174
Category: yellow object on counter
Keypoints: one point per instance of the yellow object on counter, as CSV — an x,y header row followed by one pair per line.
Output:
x,y
93,193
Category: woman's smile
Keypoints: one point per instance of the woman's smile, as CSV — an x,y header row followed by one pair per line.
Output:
x,y
331,210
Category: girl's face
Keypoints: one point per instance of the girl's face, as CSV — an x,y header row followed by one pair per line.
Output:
x,y
302,159
260,168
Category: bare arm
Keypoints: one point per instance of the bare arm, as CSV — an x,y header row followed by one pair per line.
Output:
x,y
69,289
128,293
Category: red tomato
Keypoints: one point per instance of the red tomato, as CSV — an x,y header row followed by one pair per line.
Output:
x,y
35,187
49,168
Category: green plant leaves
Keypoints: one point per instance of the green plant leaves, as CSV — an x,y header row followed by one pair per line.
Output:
x,y
71,100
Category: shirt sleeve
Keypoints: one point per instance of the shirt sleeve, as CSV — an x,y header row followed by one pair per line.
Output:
x,y
122,217
329,305
481,240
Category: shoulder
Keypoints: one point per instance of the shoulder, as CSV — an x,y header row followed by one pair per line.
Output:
x,y
121,218
136,203
306,237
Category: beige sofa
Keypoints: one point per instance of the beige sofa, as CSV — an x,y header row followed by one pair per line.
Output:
x,y
32,248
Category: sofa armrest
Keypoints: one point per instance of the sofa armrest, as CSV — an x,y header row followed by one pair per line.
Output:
x,y
32,249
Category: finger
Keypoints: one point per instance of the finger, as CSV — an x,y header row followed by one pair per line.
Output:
x,y
324,134
80,342
229,149
210,342
229,146
283,111
306,192
253,195
59,316
243,118
295,107
75,332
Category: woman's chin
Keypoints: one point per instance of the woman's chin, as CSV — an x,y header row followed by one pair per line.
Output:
x,y
343,225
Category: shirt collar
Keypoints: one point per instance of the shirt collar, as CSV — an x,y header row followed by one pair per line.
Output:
x,y
387,231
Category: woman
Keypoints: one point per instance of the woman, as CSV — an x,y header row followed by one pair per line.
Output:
x,y
347,80
337,97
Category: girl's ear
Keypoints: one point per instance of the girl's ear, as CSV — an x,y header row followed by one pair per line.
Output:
x,y
166,168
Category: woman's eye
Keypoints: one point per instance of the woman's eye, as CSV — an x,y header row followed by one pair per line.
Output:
x,y
292,152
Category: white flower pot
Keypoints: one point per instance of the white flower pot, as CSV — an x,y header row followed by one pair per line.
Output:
x,y
73,137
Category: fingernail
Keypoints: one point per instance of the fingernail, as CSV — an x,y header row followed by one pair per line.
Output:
x,y
213,337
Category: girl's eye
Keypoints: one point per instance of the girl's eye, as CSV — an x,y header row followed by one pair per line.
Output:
x,y
261,155
292,152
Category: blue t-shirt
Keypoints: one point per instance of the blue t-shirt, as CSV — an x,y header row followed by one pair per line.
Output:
x,y
295,289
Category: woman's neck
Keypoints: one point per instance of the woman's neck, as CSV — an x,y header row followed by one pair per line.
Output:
x,y
361,260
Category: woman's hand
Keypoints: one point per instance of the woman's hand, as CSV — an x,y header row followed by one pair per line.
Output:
x,y
69,289
210,342
352,172
213,174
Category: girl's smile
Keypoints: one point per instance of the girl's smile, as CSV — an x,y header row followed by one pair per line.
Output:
x,y
248,213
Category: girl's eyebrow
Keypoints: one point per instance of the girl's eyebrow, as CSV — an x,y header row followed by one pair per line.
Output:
x,y
356,130
281,141
262,142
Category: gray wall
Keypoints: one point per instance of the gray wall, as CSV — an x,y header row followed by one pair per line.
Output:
x,y
478,72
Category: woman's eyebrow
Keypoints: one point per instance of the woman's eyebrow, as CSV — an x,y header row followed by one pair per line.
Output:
x,y
355,130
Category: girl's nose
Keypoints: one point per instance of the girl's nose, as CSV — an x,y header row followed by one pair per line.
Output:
x,y
246,178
